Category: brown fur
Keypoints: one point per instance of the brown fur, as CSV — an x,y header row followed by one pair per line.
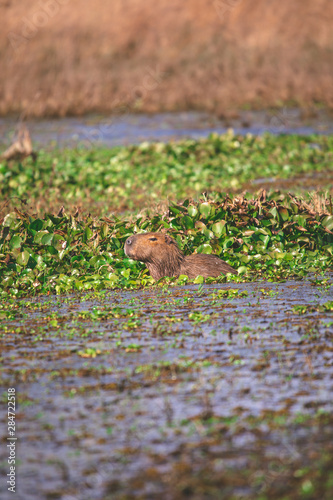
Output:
x,y
162,256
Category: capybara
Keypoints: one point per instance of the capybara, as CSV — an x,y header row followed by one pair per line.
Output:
x,y
162,256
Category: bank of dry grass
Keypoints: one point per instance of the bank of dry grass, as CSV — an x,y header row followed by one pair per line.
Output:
x,y
71,56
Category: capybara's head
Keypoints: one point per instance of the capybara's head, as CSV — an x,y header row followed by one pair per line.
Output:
x,y
150,247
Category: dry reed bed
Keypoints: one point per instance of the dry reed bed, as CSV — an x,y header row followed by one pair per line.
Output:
x,y
70,57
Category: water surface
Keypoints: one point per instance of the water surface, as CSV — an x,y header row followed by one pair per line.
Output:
x,y
119,390
95,131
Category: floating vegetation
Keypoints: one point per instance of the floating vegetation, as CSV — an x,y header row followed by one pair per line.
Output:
x,y
274,237
111,181
220,388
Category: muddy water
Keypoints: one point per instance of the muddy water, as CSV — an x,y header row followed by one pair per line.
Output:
x,y
138,394
132,129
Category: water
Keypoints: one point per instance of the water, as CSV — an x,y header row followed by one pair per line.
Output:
x,y
135,394
96,131
167,363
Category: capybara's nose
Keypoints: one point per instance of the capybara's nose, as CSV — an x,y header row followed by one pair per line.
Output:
x,y
128,241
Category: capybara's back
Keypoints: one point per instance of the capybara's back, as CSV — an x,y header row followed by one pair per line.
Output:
x,y
206,265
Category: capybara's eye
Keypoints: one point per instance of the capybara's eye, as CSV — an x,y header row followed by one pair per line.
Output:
x,y
153,239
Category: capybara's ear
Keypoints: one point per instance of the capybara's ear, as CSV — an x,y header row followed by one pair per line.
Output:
x,y
168,239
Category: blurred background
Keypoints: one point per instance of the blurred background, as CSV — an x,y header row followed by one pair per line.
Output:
x,y
73,57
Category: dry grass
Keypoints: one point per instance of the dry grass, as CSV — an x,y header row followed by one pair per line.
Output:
x,y
153,55
318,204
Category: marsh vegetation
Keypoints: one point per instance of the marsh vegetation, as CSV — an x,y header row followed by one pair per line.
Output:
x,y
128,388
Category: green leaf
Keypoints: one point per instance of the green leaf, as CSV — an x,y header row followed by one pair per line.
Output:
x,y
274,212
329,249
228,243
284,214
265,240
301,221
40,263
219,228
200,225
47,239
31,263
192,211
15,242
182,279
38,236
104,230
36,225
188,222
205,248
88,233
23,258
263,231
198,280
209,234
52,250
294,207
175,210
328,222
9,219
126,273
7,282
113,278
205,209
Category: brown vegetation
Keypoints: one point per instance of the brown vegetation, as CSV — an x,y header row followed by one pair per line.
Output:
x,y
162,256
71,57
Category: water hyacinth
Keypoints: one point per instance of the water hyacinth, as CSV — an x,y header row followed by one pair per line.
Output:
x,y
269,236
105,181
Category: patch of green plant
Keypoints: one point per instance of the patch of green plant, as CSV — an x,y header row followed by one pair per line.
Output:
x,y
260,237
105,181
184,364
89,352
230,293
308,308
